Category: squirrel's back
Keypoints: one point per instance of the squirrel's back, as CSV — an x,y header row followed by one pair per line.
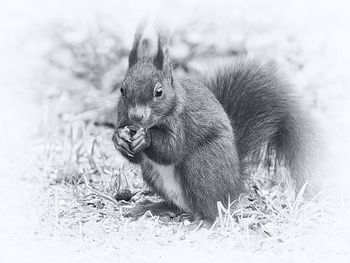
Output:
x,y
269,122
201,111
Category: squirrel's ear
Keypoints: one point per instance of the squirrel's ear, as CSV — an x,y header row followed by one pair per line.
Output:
x,y
133,56
158,60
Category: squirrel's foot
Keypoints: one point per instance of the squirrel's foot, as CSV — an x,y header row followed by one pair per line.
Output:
x,y
155,208
197,223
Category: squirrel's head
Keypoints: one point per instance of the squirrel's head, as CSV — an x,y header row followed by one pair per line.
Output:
x,y
147,91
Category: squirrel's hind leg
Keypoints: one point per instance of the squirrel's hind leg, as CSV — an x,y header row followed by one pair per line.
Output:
x,y
164,209
155,208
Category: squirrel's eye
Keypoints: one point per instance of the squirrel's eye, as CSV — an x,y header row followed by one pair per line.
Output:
x,y
122,90
158,90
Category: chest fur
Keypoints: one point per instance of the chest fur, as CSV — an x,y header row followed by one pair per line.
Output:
x,y
165,181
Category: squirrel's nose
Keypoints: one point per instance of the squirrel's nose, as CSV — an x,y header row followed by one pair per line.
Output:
x,y
136,116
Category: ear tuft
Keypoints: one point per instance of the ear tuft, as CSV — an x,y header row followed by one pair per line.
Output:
x,y
158,60
133,56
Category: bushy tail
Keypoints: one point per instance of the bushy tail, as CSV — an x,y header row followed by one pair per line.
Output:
x,y
266,117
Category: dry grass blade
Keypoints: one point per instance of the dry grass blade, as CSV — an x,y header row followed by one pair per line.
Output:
x,y
99,193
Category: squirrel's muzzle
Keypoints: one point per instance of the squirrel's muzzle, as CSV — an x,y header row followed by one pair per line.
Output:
x,y
139,114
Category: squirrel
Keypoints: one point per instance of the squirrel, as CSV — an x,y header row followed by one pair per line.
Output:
x,y
193,139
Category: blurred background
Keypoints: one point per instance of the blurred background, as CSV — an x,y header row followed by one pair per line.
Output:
x,y
62,61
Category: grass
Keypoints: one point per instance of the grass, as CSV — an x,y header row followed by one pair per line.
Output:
x,y
84,172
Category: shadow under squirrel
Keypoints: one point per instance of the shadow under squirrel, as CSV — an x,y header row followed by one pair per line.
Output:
x,y
194,139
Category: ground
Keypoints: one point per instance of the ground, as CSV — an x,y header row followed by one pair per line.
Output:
x,y
51,160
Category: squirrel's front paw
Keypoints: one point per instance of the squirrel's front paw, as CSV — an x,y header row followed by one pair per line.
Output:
x,y
140,141
121,139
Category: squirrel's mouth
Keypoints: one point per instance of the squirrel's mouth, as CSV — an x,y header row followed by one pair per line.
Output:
x,y
144,124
